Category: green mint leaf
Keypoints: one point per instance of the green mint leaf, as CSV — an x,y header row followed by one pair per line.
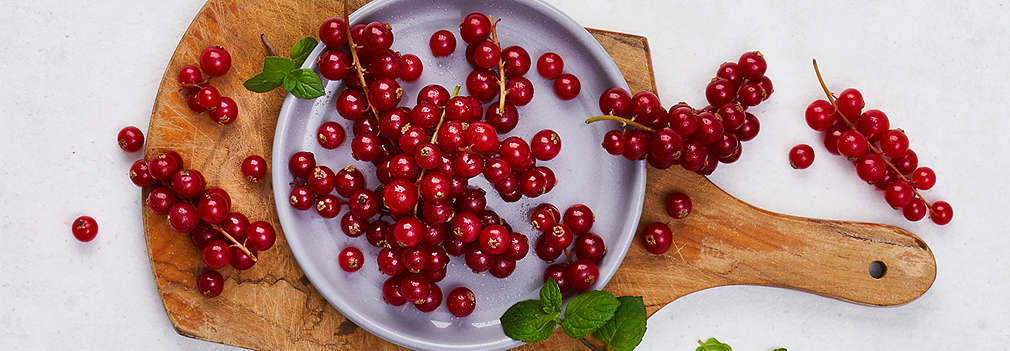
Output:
x,y
587,312
303,83
274,70
550,297
302,49
525,321
712,345
625,331
260,83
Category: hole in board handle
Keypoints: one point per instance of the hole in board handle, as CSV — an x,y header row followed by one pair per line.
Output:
x,y
877,269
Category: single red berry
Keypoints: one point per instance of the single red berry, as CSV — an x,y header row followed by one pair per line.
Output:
x,y
385,64
212,210
502,121
801,156
558,272
636,145
732,115
376,37
542,219
400,196
254,168
322,180
215,61
831,137
475,27
678,205
495,239
210,283
907,163
894,143
328,205
517,153
915,210
350,259
519,246
140,174
351,104
502,267
579,218
923,178
193,102
694,155
301,198
432,301
751,94
334,64
216,254
391,291
729,71
520,91
590,246
559,237
582,274
481,84
366,147
203,234
657,238
482,138
852,144
163,167
301,164
352,226
188,183
239,259
434,94
614,142
402,166
820,115
615,101
84,228
517,61
550,66
376,233
545,145
190,75
389,262
766,84
749,129
235,224
182,217
872,123
899,193
486,54
850,103
497,170
941,213
871,168
725,147
460,302
333,32
363,203
752,65
442,43
260,236
478,260
720,91
160,200
567,86
384,94
131,139
412,68
710,129
465,227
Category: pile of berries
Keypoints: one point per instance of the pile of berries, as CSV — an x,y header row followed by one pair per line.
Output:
x,y
696,139
881,154
579,271
224,237
201,96
423,210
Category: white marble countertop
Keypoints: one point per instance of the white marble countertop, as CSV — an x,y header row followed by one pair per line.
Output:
x,y
75,75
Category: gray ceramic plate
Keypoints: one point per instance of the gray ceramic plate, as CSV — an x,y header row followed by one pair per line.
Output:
x,y
611,186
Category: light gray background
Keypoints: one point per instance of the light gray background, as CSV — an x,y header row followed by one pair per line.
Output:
x,y
75,74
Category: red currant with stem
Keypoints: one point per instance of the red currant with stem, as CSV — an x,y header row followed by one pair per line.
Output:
x,y
871,168
235,225
460,302
550,66
567,86
590,246
678,205
140,174
465,227
899,193
694,155
434,94
616,102
766,84
579,218
410,139
208,97
468,165
212,210
495,239
801,156
482,138
363,203
502,267
543,219
260,236
720,91
941,213
906,163
486,54
412,68
351,104
203,234
657,238
850,103
915,210
614,142
376,37
559,236
645,104
431,301
545,145
85,228
189,75
894,143
333,32
872,123
328,205
425,115
130,139
520,91
684,120
478,260
519,246
831,137
301,164
482,84
225,113
402,166
852,144
923,178
428,156
210,283
322,180
517,61
752,65
442,43
550,180
218,193
391,291
475,27
582,274
389,262
160,200
301,198
820,115
216,254
239,259
435,186
334,64
215,61
636,145
400,196
330,135
503,120
182,217
384,94
710,130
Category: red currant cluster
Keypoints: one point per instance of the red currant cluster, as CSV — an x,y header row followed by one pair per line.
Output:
x,y
566,85
580,271
424,211
881,155
696,139
657,236
224,237
215,62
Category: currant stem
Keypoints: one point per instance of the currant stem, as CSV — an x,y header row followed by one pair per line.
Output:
x,y
501,64
266,43
831,98
235,242
624,122
357,61
434,141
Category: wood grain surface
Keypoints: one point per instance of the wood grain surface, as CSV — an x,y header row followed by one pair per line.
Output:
x,y
274,306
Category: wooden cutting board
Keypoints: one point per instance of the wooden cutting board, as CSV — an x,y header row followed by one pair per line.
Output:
x,y
274,306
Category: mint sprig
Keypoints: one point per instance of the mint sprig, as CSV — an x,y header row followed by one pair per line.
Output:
x,y
618,322
283,72
714,345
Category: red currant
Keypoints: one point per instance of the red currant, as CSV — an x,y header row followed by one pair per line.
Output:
x,y
801,156
478,260
550,66
352,226
432,301
481,84
579,218
216,254
907,163
678,205
442,43
140,174
301,164
502,267
163,167
350,259
301,198
923,178
160,200
751,94
486,54
520,91
351,104
235,224
850,103
941,213
260,236
894,143
434,94
636,145
389,262
190,75
328,205
131,139
729,71
582,274
899,193
84,228
519,246
546,145
590,246
482,138
615,101
363,203
215,61
386,64
657,238
852,144
558,272
333,32
915,210
334,64
475,27
831,137
820,115
391,291
517,61
871,168
212,209
567,86
502,121
225,113
376,37
210,283
412,68
461,302
559,237
494,239
872,123
254,168
322,180
384,94
366,147
466,227
752,65
182,217
720,91
239,259
614,142
400,196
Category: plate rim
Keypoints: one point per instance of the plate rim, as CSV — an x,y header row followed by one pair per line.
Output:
x,y
279,169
